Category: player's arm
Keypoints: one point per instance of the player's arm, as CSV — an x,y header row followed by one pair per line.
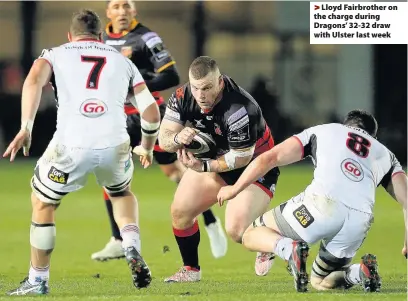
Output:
x,y
395,183
241,122
39,76
166,74
148,108
287,152
168,135
173,125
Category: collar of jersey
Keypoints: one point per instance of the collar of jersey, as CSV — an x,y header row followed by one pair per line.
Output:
x,y
123,33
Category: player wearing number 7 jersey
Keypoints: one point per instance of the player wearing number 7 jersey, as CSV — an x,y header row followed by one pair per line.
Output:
x,y
92,81
336,208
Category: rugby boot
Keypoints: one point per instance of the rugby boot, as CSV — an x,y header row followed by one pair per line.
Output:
x,y
297,265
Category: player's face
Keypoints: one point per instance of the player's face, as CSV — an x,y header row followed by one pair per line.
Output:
x,y
206,90
121,14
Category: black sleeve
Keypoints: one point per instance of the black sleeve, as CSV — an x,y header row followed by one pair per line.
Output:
x,y
164,80
175,111
242,123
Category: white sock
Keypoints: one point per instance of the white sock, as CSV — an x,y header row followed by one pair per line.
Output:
x,y
353,274
284,248
131,237
36,275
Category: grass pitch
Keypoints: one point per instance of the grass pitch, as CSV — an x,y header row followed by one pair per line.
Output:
x,y
83,228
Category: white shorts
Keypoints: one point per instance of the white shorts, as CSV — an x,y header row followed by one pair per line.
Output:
x,y
312,218
63,169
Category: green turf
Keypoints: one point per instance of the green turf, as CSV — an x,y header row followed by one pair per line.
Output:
x,y
82,228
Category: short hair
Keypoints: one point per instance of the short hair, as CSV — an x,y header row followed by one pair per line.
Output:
x,y
85,22
363,120
201,66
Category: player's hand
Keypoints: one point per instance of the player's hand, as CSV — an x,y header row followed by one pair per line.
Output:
x,y
186,135
22,140
145,156
226,193
188,160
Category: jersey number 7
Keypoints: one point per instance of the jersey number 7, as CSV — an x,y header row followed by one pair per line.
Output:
x,y
358,145
98,64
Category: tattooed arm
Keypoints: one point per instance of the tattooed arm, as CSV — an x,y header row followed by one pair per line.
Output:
x,y
167,135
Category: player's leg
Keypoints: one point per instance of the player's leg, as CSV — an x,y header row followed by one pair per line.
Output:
x,y
54,177
115,172
332,268
243,210
287,229
195,193
174,170
113,249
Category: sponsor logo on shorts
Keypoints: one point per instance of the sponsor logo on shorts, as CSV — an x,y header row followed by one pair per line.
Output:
x,y
303,216
352,170
58,176
93,108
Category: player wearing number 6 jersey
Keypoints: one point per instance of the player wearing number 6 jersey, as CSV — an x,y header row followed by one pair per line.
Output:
x,y
92,82
336,208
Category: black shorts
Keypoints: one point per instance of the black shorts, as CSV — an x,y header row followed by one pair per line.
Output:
x,y
134,131
267,183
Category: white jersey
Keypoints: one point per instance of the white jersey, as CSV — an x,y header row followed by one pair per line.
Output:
x,y
92,81
349,164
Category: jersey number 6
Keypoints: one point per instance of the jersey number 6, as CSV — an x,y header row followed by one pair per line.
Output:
x,y
93,77
358,145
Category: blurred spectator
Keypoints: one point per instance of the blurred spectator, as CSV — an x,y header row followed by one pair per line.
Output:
x,y
267,98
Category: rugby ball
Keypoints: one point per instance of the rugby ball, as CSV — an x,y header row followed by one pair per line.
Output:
x,y
203,146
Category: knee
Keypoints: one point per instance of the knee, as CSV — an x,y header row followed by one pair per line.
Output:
x,y
41,206
181,218
235,230
316,283
321,284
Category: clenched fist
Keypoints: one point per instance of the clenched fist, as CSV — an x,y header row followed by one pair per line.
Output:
x,y
186,136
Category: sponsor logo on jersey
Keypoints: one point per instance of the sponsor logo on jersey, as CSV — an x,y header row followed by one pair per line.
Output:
x,y
303,216
127,51
58,176
239,135
93,108
352,170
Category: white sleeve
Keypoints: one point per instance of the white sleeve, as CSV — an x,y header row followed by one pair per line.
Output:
x,y
307,139
137,78
48,55
394,167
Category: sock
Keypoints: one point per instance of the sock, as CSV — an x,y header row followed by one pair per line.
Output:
x,y
114,226
284,248
353,274
209,217
131,237
36,275
188,241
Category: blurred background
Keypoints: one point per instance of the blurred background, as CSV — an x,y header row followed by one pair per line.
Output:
x,y
264,46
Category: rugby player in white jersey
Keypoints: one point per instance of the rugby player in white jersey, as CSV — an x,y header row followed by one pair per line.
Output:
x,y
336,208
92,82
